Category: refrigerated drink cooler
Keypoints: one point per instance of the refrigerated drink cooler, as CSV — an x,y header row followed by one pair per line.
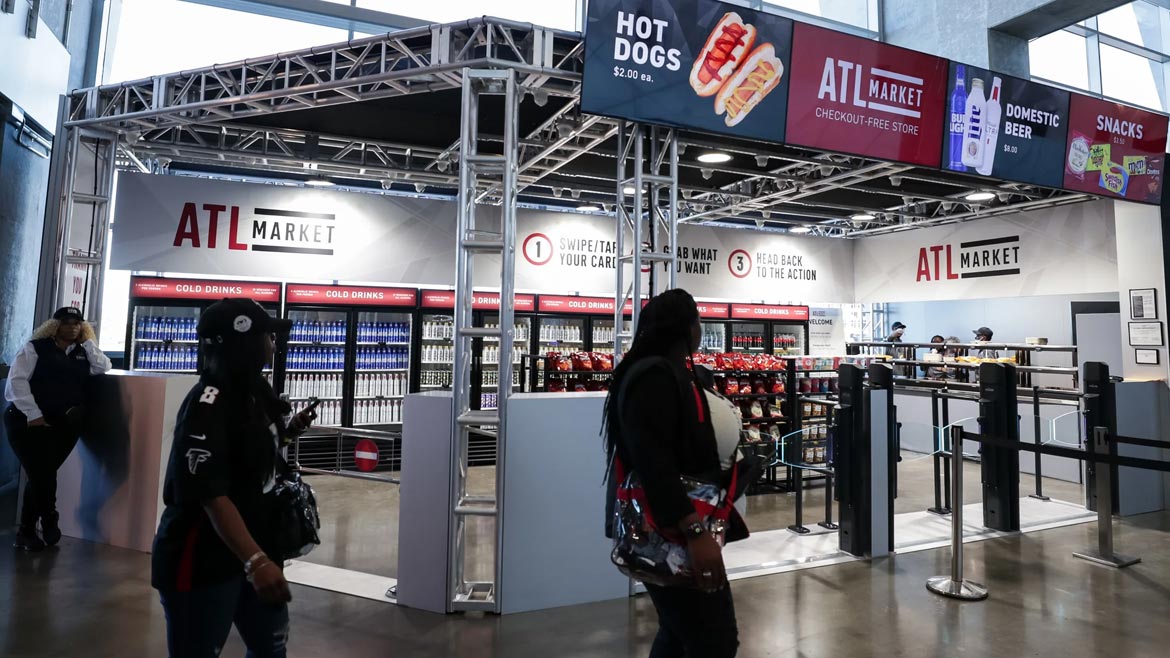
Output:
x,y
164,313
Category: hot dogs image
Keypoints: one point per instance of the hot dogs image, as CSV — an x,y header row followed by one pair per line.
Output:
x,y
760,74
722,54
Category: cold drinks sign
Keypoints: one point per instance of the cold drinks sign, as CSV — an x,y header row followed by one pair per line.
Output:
x,y
703,65
859,96
1005,127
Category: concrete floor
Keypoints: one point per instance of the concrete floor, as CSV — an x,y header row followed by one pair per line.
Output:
x,y
95,601
359,519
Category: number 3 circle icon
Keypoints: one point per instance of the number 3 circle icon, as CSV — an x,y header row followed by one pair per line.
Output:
x,y
740,264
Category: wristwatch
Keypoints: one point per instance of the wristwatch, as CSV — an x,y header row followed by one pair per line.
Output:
x,y
695,530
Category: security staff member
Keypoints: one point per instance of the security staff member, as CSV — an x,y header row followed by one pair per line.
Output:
x,y
47,390
210,561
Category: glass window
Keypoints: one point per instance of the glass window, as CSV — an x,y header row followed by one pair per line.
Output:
x,y
559,14
851,12
163,36
1132,78
1060,57
1137,22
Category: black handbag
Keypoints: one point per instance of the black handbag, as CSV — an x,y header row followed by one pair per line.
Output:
x,y
295,517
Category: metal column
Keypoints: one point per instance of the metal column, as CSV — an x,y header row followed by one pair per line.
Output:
x,y
646,221
478,237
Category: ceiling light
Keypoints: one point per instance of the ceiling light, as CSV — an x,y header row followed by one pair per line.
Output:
x,y
629,189
420,187
1004,196
576,194
947,205
896,181
762,160
707,173
826,169
761,223
564,129
319,182
767,214
688,193
589,207
800,229
980,196
863,217
540,96
714,157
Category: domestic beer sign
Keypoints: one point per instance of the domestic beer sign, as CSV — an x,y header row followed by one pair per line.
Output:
x,y
855,95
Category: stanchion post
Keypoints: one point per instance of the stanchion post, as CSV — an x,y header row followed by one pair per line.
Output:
x,y
937,458
954,586
1039,495
946,422
1104,554
828,522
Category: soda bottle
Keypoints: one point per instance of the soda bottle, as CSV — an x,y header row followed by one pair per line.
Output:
x,y
958,109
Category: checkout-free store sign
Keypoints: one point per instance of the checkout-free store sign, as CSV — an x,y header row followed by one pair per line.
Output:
x,y
701,64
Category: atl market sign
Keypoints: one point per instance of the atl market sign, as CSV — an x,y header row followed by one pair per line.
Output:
x,y
976,259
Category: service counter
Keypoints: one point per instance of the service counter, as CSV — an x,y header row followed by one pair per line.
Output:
x,y
110,488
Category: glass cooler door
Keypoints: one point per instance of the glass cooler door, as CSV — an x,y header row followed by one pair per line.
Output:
x,y
315,362
489,371
438,352
164,339
382,372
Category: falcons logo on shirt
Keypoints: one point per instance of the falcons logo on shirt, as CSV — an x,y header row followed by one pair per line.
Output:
x,y
195,457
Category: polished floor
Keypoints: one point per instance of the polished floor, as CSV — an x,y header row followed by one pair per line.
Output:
x,y
95,601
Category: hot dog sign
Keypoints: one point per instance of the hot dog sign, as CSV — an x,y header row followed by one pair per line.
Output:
x,y
703,65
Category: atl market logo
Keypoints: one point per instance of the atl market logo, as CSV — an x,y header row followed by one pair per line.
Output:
x,y
970,260
271,230
878,89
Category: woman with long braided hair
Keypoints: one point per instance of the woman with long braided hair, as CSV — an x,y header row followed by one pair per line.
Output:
x,y
658,425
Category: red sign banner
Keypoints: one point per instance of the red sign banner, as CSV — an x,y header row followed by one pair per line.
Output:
x,y
714,311
159,288
579,305
483,301
349,295
1114,150
854,95
763,312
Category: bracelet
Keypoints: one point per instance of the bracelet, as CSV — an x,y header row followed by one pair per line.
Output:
x,y
252,563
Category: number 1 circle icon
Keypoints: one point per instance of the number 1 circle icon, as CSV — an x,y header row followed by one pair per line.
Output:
x,y
537,249
740,264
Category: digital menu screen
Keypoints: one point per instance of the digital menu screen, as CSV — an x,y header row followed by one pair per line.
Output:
x,y
858,96
1005,127
1114,150
704,65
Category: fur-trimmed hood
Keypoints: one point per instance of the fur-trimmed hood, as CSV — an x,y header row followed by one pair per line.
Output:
x,y
48,329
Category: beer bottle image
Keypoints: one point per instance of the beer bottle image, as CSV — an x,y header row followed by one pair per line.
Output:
x,y
991,117
958,107
973,122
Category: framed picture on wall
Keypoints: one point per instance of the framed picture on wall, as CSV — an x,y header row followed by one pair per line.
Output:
x,y
1146,334
1147,357
1143,304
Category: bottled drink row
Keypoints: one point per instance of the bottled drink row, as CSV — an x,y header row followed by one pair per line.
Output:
x,y
329,413
569,333
786,342
436,378
164,328
383,332
438,354
304,386
383,358
491,354
519,332
746,341
489,401
316,358
492,378
713,337
167,357
377,412
316,331
602,335
382,385
438,330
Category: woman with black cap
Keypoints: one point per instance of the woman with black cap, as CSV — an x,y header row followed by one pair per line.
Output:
x,y
47,390
211,561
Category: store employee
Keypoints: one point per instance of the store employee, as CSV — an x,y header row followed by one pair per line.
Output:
x,y
47,390
984,335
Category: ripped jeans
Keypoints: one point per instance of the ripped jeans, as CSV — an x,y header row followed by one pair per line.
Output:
x,y
199,621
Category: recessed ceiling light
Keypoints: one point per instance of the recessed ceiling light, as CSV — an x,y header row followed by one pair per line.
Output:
x,y
319,182
629,189
980,196
863,217
714,157
589,207
800,229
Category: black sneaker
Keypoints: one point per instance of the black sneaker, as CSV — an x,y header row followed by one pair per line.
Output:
x,y
28,541
49,528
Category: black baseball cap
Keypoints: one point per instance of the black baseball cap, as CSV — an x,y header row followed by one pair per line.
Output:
x,y
983,331
238,316
899,325
69,313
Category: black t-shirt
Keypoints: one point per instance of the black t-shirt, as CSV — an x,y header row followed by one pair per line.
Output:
x,y
225,445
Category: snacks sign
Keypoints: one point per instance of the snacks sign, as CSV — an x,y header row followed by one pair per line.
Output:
x,y
1114,150
853,95
703,65
1002,126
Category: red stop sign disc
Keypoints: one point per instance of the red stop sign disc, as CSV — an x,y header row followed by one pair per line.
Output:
x,y
365,455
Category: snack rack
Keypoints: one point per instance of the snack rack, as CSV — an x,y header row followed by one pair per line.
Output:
x,y
575,372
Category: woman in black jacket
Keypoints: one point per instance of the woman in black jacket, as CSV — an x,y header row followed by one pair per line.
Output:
x,y
658,425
